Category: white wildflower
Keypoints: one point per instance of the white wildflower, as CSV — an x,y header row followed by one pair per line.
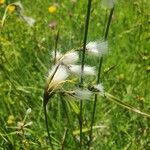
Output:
x,y
100,88
30,21
108,3
97,48
70,58
82,94
76,69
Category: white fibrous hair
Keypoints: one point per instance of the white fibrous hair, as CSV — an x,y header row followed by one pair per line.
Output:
x,y
98,48
76,69
108,3
58,74
82,94
100,89
58,55
70,58
30,21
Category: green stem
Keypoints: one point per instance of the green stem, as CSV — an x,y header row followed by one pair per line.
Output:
x,y
82,66
4,17
98,79
46,123
56,43
108,24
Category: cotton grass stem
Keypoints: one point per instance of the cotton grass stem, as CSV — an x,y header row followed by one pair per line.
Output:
x,y
47,128
56,44
108,24
46,98
82,65
98,78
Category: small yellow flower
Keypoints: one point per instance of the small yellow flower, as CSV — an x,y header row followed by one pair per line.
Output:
x,y
52,9
2,2
11,8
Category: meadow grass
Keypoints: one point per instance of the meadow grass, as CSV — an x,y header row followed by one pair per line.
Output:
x,y
25,58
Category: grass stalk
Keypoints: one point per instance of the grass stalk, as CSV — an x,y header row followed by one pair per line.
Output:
x,y
56,44
82,65
46,98
98,78
47,128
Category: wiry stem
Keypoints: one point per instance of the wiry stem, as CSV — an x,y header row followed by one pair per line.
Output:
x,y
56,43
46,123
82,65
98,79
46,98
108,24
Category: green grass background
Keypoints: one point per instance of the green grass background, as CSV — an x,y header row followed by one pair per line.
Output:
x,y
25,58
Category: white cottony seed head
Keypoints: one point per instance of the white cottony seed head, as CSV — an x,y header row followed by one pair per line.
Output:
x,y
76,69
98,48
70,58
89,70
58,55
100,88
59,74
30,21
108,3
83,94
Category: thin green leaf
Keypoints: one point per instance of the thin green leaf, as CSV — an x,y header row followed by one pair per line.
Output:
x,y
125,105
74,106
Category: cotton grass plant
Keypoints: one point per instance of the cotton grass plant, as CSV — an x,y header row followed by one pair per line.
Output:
x,y
24,54
67,68
100,49
66,65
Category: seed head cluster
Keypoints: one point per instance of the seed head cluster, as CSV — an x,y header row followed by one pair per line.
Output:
x,y
67,67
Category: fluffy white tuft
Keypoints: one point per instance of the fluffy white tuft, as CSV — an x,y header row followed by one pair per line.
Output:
x,y
76,69
30,21
100,88
60,74
97,48
108,3
70,58
58,55
89,70
83,94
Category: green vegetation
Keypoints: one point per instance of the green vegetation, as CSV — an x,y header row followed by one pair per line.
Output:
x,y
25,59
